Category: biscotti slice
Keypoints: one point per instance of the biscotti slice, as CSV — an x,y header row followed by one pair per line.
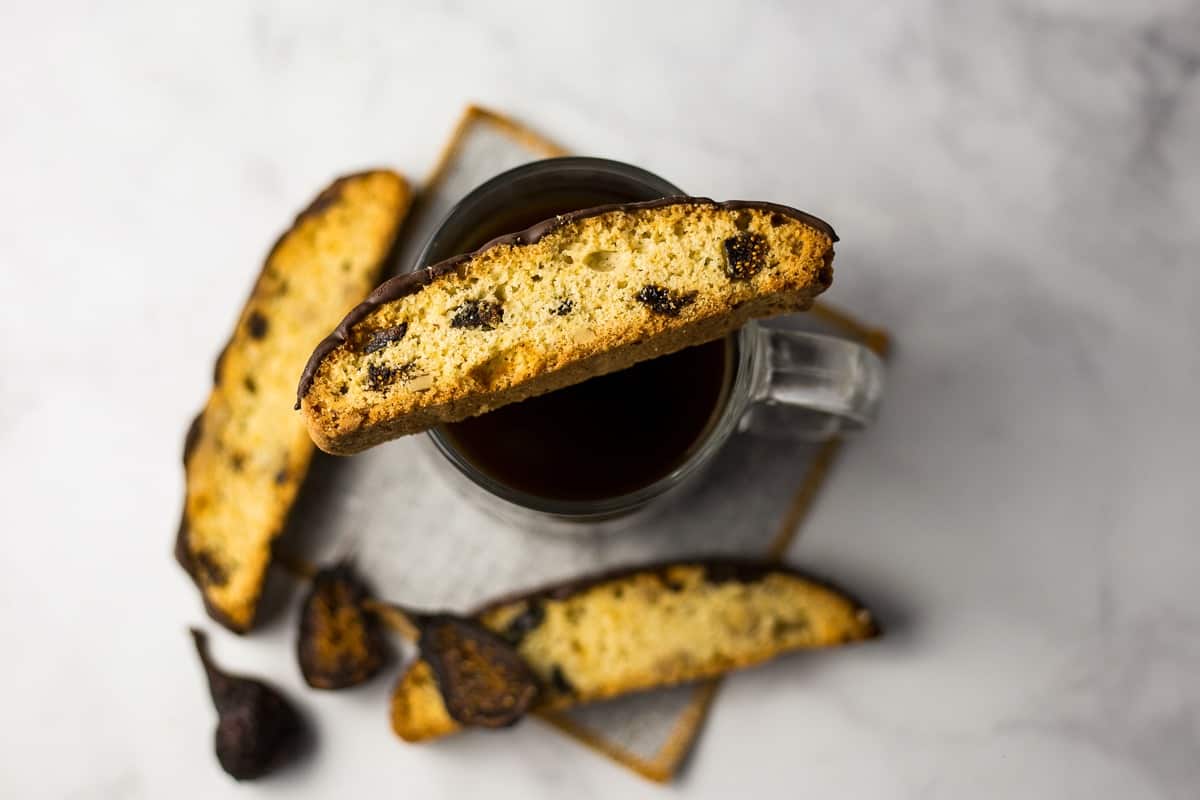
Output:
x,y
247,453
573,297
646,628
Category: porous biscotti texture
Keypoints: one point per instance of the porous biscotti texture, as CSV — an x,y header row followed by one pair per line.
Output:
x,y
575,297
647,628
247,453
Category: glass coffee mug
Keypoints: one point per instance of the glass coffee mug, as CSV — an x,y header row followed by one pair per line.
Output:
x,y
776,383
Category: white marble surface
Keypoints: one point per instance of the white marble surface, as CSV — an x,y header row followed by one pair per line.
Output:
x,y
1017,186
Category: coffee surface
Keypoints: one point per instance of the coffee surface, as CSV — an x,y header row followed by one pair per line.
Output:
x,y
606,436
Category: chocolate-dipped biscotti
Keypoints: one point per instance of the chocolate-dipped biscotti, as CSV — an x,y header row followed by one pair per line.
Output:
x,y
573,297
645,628
247,452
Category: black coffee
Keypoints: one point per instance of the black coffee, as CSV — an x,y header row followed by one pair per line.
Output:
x,y
606,436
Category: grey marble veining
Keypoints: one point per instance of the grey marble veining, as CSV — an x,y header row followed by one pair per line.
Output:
x,y
1017,186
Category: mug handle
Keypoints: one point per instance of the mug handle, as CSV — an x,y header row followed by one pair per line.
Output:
x,y
810,386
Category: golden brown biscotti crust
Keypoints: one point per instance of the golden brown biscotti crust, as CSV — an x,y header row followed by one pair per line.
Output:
x,y
246,454
645,628
574,297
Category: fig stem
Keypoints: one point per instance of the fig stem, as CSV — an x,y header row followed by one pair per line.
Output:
x,y
216,677
200,639
298,567
405,621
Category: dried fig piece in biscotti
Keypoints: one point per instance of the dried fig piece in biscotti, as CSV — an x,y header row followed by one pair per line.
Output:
x,y
247,453
340,644
576,296
644,628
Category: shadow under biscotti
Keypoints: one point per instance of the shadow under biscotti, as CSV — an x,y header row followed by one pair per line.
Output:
x,y
305,535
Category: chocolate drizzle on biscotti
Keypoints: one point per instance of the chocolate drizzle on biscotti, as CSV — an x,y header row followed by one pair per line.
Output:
x,y
412,282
